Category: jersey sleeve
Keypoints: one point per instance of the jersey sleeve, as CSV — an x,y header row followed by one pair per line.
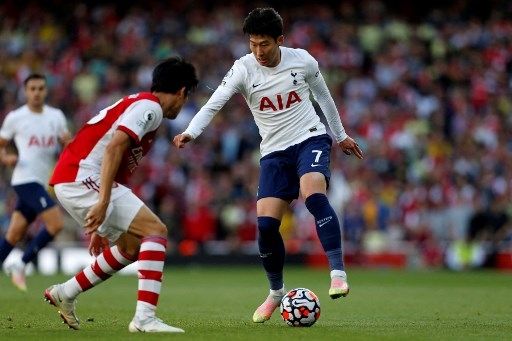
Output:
x,y
233,80
231,84
8,127
140,118
323,97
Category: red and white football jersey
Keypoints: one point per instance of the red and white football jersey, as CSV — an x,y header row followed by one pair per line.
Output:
x,y
138,115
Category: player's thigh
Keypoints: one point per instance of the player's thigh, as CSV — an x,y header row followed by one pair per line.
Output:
x,y
271,207
146,223
18,227
77,198
122,211
52,219
278,176
314,165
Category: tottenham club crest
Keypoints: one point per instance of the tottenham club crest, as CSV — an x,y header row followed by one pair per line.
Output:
x,y
294,74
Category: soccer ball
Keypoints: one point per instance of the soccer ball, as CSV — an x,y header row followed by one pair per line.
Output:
x,y
300,307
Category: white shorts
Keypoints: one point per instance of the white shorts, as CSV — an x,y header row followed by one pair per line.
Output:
x,y
78,197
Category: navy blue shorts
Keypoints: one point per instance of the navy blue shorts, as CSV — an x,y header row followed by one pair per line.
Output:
x,y
32,200
280,171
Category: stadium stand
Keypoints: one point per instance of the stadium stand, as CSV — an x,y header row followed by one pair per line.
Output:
x,y
426,91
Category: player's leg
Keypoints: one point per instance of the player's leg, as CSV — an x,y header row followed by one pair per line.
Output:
x,y
34,201
271,247
328,230
120,213
16,231
20,221
151,258
21,218
278,185
314,161
53,224
107,263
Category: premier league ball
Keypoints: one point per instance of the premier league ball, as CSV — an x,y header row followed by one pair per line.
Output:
x,y
300,307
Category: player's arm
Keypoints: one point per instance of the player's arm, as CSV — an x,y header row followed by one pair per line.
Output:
x,y
111,160
7,132
231,84
324,99
203,118
65,138
8,159
97,244
181,140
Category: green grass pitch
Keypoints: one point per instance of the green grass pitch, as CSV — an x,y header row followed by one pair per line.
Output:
x,y
216,303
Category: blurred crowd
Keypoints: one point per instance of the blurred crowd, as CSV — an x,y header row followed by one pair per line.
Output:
x,y
427,96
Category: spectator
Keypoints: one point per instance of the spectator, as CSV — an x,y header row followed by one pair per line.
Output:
x,y
428,94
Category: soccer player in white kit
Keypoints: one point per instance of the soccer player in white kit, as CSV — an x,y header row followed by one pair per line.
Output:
x,y
89,181
276,82
37,130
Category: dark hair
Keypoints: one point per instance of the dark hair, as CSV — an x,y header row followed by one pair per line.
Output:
x,y
264,21
33,76
172,74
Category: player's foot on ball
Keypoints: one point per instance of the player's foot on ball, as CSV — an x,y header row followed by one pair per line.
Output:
x,y
265,310
339,285
65,306
152,325
17,273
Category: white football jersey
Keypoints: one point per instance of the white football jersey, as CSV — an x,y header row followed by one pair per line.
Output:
x,y
36,136
278,98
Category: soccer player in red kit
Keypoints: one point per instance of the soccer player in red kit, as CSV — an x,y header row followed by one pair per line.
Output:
x,y
89,181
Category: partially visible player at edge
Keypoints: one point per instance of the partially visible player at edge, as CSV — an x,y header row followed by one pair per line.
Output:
x,y
276,82
37,129
88,182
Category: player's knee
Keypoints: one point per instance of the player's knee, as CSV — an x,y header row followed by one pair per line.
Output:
x,y
268,225
130,251
13,237
54,222
55,228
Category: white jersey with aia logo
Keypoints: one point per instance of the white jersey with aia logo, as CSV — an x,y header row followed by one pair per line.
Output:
x,y
278,98
36,136
138,115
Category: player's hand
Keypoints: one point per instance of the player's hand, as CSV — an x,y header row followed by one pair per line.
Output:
x,y
65,138
349,147
9,159
95,217
181,139
97,244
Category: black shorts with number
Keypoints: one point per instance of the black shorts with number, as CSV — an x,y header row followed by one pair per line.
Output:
x,y
280,171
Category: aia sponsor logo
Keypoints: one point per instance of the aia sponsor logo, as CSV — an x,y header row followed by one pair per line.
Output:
x,y
42,141
280,102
